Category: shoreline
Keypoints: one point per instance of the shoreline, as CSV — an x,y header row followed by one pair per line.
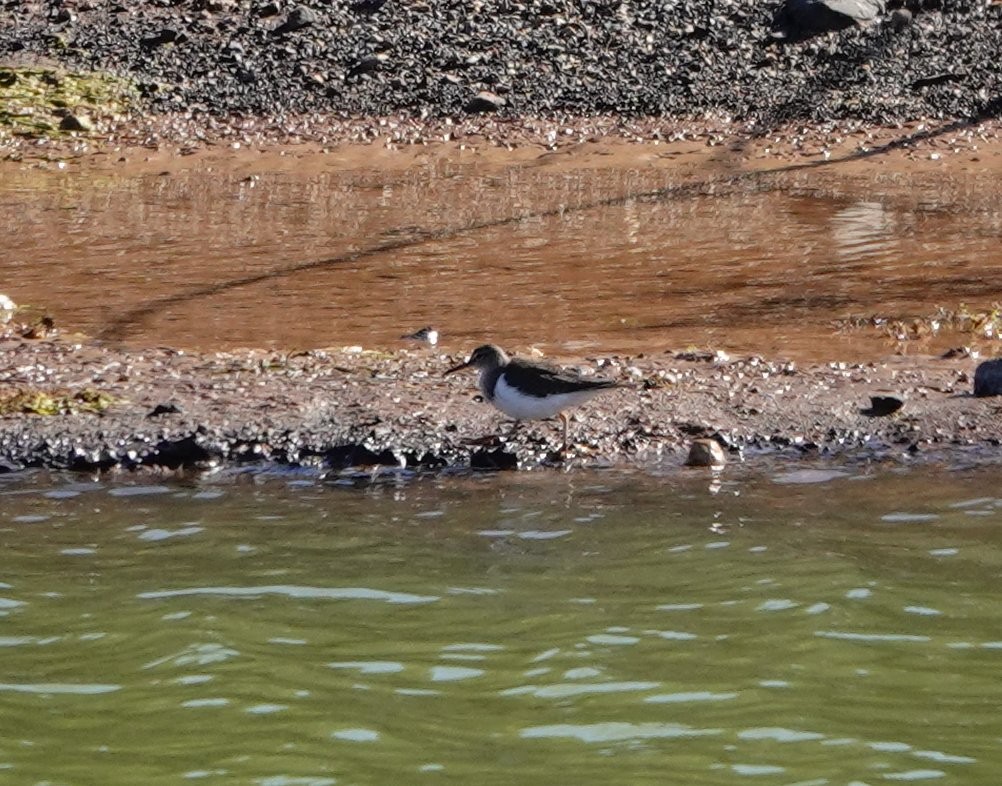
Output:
x,y
168,143
353,410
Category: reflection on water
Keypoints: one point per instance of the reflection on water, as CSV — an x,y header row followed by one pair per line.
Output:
x,y
863,229
567,258
592,628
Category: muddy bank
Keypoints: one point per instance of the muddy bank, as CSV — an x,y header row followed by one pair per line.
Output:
x,y
336,409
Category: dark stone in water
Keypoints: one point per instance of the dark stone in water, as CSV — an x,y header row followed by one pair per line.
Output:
x,y
493,459
705,453
184,452
357,455
988,378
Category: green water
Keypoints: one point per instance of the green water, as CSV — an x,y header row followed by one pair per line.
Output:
x,y
517,629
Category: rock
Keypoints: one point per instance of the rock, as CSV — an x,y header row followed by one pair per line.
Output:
x,y
798,19
167,408
706,453
900,19
485,101
298,18
368,64
367,6
988,378
883,403
166,36
77,122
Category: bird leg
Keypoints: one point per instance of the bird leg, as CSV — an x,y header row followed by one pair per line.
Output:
x,y
565,419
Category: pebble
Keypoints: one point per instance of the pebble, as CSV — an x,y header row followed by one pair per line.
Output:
x,y
706,453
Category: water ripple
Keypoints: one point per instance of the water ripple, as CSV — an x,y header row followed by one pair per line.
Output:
x,y
328,593
868,637
615,731
566,690
59,687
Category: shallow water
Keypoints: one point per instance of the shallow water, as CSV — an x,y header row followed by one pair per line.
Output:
x,y
570,258
816,626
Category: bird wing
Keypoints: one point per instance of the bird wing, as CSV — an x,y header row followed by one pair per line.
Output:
x,y
526,376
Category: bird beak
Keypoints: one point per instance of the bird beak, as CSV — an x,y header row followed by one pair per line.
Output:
x,y
460,367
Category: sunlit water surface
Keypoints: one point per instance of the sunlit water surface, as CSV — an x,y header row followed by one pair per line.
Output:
x,y
580,258
814,626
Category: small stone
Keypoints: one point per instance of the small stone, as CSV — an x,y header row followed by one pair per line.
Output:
x,y
485,101
900,19
367,6
165,36
76,123
298,18
706,453
884,403
368,64
799,19
168,408
988,378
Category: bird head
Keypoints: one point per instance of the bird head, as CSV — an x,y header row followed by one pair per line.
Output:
x,y
485,358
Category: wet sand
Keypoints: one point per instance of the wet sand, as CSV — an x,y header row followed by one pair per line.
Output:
x,y
382,406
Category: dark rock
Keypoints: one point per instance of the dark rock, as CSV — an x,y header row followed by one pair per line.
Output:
x,y
168,408
705,453
485,101
77,122
988,378
497,459
368,64
883,404
298,18
367,6
356,455
173,454
165,36
935,79
900,19
798,19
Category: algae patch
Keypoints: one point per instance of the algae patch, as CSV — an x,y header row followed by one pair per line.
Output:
x,y
31,401
36,102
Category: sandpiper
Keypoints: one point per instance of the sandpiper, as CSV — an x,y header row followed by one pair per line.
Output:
x,y
530,391
427,335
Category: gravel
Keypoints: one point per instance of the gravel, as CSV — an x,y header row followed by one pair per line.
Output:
x,y
685,60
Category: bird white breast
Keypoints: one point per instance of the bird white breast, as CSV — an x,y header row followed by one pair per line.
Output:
x,y
520,406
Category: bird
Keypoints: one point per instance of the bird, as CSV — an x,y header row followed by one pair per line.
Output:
x,y
526,390
427,335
